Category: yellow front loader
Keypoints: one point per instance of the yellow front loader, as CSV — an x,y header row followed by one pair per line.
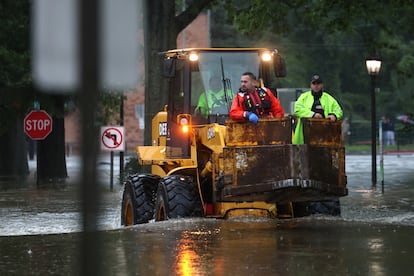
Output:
x,y
210,166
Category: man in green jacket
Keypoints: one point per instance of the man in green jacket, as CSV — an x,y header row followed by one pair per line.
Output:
x,y
213,101
315,103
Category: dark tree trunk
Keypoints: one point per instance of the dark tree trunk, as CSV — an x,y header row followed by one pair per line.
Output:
x,y
161,28
159,35
51,159
13,151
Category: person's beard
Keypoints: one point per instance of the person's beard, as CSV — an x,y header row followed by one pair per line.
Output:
x,y
317,94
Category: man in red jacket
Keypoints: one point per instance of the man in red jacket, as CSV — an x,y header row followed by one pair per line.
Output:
x,y
252,103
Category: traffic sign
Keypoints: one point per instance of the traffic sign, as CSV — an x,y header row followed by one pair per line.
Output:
x,y
37,124
112,138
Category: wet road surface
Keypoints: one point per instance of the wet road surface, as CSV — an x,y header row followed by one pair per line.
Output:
x,y
39,234
216,247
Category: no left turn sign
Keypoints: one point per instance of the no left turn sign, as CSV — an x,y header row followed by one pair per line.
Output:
x,y
112,138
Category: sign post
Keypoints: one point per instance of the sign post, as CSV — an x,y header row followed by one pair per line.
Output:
x,y
38,124
112,139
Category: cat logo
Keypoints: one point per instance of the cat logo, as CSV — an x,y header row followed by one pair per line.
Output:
x,y
211,133
162,128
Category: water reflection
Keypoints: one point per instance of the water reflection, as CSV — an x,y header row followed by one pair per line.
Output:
x,y
376,247
187,256
373,236
308,246
252,247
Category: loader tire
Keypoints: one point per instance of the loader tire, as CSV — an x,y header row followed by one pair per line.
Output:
x,y
325,207
330,207
138,199
177,197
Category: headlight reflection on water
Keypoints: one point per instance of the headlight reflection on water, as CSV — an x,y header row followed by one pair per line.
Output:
x,y
191,253
376,247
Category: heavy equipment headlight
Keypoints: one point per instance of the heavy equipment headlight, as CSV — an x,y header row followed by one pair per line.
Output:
x,y
266,56
193,56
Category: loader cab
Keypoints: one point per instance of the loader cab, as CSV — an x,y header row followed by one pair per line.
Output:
x,y
203,83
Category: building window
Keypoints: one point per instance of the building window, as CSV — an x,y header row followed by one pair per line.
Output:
x,y
139,114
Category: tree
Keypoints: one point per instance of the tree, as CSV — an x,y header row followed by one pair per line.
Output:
x,y
162,25
15,85
336,37
51,158
163,21
18,98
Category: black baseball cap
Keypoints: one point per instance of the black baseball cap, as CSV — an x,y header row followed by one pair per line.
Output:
x,y
316,78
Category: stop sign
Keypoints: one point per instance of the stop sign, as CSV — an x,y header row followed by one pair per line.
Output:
x,y
38,124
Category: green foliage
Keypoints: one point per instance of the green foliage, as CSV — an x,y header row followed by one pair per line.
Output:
x,y
223,34
333,38
15,77
406,66
14,44
251,17
109,108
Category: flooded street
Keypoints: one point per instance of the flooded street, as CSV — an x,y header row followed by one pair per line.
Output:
x,y
39,233
395,206
56,208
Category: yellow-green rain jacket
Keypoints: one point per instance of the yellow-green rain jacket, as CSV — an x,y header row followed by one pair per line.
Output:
x,y
303,109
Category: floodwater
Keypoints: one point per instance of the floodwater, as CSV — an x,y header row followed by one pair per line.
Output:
x,y
39,233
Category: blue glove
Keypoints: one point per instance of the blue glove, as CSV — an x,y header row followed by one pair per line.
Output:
x,y
253,118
